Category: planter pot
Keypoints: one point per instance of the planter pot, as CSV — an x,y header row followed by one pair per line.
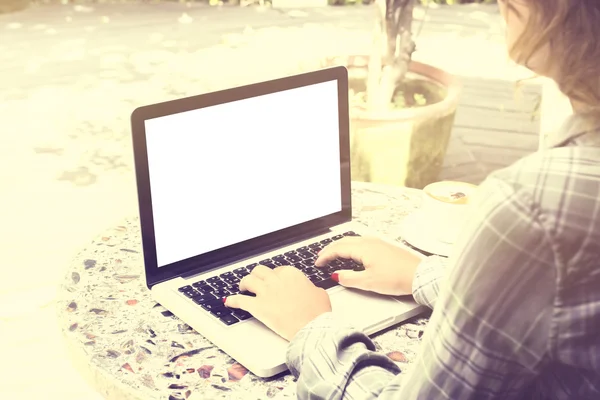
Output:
x,y
7,6
407,146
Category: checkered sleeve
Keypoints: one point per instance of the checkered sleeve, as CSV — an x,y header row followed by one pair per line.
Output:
x,y
334,361
488,334
428,279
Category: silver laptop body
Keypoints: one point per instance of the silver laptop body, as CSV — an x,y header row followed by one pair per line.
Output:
x,y
258,174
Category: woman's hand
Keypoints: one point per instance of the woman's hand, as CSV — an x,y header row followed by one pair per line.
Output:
x,y
285,301
389,269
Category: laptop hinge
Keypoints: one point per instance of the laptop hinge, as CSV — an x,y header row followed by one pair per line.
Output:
x,y
263,249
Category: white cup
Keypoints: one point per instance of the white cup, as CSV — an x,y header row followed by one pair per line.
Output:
x,y
445,207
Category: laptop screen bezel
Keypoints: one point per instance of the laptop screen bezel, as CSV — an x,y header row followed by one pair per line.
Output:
x,y
154,273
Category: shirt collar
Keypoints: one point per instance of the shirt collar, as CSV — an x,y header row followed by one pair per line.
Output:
x,y
583,129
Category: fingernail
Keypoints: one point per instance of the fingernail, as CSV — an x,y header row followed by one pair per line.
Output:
x,y
335,277
224,300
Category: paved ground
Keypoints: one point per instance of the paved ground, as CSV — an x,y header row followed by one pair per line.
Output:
x,y
70,76
495,125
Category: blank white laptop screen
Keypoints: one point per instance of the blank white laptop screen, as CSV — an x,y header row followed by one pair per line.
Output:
x,y
228,173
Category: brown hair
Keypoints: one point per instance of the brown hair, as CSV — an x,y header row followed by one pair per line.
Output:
x,y
571,30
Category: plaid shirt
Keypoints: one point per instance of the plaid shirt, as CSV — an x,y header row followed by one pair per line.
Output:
x,y
517,306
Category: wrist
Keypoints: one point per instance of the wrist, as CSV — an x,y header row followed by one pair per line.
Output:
x,y
293,332
409,270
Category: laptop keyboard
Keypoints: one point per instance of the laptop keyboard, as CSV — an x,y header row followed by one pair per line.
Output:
x,y
208,294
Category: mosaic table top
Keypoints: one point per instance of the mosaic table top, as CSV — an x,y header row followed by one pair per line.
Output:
x,y
129,347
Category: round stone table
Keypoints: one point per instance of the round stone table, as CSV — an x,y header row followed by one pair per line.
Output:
x,y
129,347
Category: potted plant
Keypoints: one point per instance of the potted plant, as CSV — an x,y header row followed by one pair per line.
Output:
x,y
402,111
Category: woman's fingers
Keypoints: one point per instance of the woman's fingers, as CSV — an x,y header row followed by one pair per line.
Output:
x,y
354,279
349,247
262,272
246,303
253,284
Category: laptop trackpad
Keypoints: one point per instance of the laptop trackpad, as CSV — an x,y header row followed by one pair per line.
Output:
x,y
363,309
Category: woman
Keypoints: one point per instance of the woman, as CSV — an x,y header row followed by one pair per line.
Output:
x,y
518,315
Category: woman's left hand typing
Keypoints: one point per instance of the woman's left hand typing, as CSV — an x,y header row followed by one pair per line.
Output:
x,y
285,300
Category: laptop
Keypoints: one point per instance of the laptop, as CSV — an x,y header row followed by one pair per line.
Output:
x,y
258,174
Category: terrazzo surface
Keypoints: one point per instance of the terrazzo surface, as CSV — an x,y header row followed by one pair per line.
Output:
x,y
129,347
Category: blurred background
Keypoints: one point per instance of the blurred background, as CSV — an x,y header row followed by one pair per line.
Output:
x,y
71,73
